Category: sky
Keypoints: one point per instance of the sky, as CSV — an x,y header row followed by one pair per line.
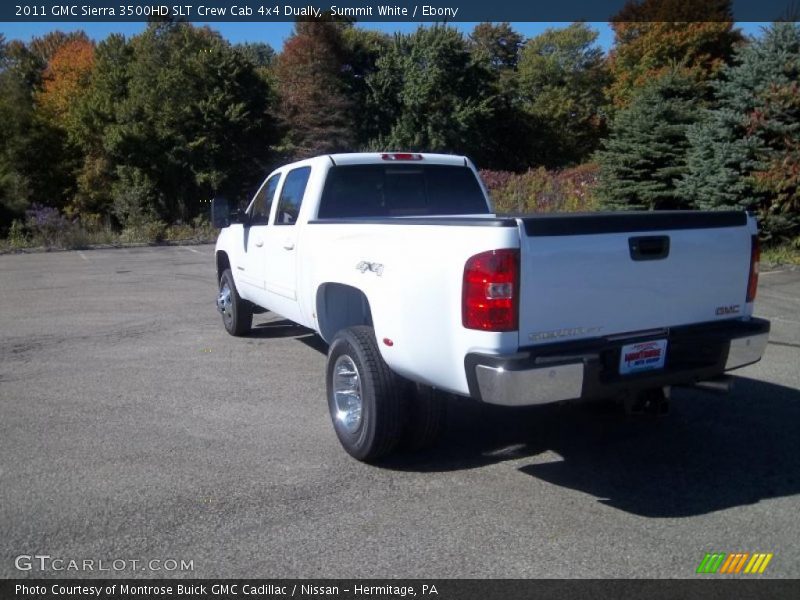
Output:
x,y
274,34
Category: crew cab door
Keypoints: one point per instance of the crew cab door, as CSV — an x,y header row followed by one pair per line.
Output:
x,y
251,271
281,245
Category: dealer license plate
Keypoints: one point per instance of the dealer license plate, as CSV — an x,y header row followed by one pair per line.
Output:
x,y
642,356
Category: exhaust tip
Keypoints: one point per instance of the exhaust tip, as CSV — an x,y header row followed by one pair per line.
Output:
x,y
719,385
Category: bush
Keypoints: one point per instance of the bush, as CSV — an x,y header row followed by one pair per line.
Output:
x,y
51,229
46,226
17,237
98,229
204,230
143,230
787,253
540,190
179,232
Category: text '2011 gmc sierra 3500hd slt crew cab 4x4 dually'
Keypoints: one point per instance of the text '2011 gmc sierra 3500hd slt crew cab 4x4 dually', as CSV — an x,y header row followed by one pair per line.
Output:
x,y
397,261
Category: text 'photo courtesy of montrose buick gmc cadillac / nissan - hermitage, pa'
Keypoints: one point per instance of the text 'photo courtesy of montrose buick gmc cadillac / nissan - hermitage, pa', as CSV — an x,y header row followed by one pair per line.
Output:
x,y
398,262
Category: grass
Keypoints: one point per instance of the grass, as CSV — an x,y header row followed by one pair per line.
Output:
x,y
787,253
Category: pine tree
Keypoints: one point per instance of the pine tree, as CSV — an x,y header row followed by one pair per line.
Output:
x,y
429,94
744,153
645,154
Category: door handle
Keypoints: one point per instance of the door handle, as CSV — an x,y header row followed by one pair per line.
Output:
x,y
288,245
654,247
259,243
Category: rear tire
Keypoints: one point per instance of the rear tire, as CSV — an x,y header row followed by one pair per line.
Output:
x,y
237,314
364,395
426,417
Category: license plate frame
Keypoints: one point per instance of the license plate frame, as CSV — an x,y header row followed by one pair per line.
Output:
x,y
641,357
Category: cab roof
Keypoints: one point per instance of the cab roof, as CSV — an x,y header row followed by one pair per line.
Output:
x,y
362,158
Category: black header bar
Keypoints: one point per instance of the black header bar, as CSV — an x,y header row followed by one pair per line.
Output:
x,y
422,11
629,222
708,587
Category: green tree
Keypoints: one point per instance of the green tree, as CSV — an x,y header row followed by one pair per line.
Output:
x,y
98,129
744,153
429,94
656,36
496,48
362,48
19,59
16,114
173,117
33,164
260,54
497,44
644,157
561,80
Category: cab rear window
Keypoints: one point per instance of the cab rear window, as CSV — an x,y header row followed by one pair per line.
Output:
x,y
400,190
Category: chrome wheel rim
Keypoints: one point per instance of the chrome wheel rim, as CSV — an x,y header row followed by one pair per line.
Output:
x,y
225,302
347,394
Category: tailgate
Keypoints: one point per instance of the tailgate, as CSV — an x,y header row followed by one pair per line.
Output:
x,y
585,276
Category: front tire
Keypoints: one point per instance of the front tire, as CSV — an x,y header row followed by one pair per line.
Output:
x,y
237,314
364,395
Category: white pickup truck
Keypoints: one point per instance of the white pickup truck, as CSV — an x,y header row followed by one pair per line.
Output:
x,y
400,265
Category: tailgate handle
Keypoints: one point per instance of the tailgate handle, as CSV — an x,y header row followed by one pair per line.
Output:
x,y
654,247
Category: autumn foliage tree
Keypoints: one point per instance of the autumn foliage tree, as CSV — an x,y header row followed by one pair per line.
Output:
x,y
66,76
315,111
653,37
35,165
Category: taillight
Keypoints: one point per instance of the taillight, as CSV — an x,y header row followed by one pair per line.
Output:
x,y
401,156
755,257
491,291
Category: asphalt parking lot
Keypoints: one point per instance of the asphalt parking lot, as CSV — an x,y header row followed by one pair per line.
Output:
x,y
133,427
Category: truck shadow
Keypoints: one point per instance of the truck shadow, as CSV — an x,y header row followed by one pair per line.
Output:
x,y
711,453
273,328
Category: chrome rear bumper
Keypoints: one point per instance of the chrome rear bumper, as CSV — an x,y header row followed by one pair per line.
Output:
x,y
529,387
589,369
746,350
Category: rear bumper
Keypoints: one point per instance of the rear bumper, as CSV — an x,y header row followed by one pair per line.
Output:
x,y
589,369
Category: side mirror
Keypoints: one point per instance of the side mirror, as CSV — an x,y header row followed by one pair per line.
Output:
x,y
220,213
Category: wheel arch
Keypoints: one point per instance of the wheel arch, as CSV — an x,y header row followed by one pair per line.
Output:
x,y
223,262
340,306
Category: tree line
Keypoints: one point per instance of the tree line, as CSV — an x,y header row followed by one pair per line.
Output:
x,y
130,131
